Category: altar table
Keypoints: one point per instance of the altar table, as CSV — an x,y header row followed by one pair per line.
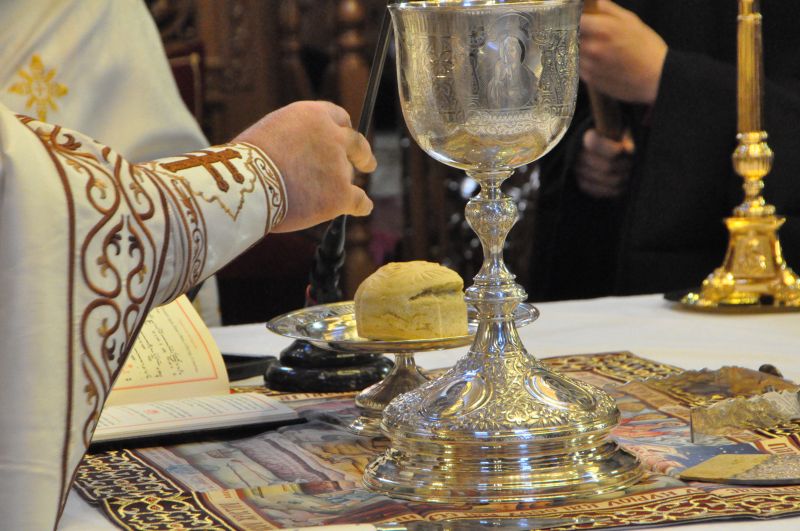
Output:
x,y
647,326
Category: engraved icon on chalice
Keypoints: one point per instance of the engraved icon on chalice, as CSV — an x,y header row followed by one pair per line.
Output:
x,y
487,86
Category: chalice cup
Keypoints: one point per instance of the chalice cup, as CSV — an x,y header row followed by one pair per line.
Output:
x,y
487,86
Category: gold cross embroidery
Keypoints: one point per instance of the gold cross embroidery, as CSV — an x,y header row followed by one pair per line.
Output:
x,y
207,161
40,87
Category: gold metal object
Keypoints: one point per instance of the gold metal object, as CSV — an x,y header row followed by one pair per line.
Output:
x,y
706,387
753,273
487,87
735,415
333,327
729,402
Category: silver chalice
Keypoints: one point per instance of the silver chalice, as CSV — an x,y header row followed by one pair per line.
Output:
x,y
487,86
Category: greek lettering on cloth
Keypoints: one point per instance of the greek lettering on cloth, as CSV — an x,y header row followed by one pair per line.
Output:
x,y
88,244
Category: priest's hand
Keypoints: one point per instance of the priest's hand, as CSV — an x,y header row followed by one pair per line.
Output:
x,y
317,151
604,165
620,55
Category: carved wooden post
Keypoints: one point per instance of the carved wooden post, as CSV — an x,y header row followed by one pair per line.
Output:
x,y
299,84
352,74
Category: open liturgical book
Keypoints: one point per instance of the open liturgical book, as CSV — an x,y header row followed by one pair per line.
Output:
x,y
175,381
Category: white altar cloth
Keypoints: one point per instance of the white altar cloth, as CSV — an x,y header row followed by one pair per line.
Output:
x,y
646,325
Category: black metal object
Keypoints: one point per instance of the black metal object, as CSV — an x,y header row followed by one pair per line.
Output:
x,y
323,282
330,254
375,74
302,366
282,377
241,367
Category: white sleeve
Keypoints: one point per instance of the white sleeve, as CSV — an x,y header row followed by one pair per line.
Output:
x,y
88,244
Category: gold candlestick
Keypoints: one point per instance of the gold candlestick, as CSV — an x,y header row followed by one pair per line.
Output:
x,y
753,273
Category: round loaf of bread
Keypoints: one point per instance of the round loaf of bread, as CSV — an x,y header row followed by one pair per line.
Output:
x,y
411,300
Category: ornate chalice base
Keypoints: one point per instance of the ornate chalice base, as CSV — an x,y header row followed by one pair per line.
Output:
x,y
501,428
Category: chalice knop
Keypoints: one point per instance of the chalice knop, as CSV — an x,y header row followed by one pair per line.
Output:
x,y
487,86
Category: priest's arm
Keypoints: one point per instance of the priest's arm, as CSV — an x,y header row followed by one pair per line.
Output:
x,y
89,243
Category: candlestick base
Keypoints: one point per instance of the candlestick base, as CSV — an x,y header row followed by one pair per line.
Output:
x,y
753,273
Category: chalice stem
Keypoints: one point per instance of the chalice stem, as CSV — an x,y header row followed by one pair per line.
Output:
x,y
495,294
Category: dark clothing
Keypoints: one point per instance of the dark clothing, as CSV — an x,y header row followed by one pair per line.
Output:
x,y
666,232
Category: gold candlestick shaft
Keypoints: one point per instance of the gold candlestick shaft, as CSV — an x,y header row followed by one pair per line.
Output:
x,y
752,158
750,66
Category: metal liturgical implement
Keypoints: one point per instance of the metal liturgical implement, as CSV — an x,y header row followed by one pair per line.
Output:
x,y
753,273
731,416
489,86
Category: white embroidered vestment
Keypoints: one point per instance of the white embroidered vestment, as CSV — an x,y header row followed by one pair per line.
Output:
x,y
88,244
98,67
